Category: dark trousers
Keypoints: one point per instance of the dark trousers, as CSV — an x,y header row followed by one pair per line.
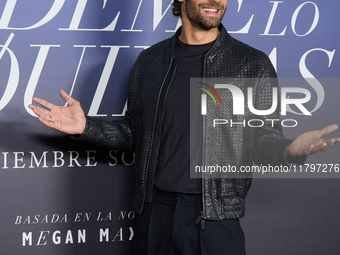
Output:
x,y
173,229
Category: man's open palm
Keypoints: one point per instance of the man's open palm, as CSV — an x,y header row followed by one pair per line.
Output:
x,y
312,142
68,119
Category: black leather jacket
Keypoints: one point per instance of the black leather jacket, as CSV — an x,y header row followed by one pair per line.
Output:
x,y
139,131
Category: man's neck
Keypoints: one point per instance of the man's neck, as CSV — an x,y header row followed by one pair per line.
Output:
x,y
195,36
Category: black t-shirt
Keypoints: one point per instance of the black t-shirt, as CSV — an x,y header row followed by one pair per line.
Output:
x,y
172,170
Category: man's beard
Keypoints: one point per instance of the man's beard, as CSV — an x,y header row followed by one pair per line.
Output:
x,y
198,20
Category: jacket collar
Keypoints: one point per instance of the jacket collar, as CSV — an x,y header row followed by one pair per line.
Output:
x,y
221,42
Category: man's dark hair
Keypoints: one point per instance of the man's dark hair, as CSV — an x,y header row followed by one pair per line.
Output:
x,y
176,8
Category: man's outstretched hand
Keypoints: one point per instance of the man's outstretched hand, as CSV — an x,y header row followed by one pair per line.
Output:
x,y
68,119
311,142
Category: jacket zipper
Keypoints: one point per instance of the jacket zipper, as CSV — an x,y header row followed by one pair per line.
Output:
x,y
203,159
166,93
154,123
202,220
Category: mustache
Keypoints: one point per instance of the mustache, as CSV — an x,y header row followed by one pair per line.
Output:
x,y
212,4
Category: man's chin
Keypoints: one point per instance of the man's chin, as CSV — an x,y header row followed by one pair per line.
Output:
x,y
209,26
210,23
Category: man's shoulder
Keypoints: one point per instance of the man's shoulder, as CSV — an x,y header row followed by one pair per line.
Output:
x,y
162,47
154,59
233,49
246,50
155,55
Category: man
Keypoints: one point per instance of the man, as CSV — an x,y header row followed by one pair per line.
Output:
x,y
156,128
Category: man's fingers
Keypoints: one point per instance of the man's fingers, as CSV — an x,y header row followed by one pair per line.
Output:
x,y
66,97
308,150
43,103
325,145
331,142
329,129
43,113
48,122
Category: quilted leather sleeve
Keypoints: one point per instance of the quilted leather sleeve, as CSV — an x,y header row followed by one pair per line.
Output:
x,y
113,134
270,143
